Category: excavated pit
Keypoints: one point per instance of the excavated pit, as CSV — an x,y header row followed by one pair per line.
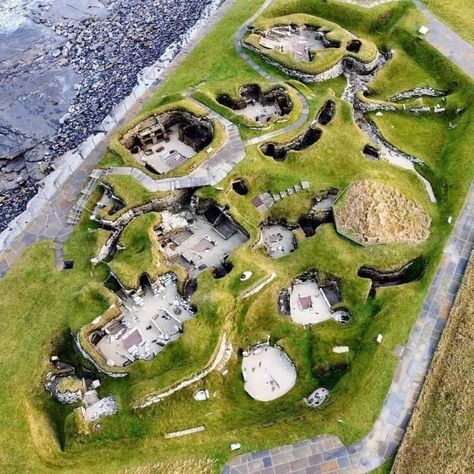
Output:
x,y
299,41
223,269
320,212
201,236
326,114
310,222
190,287
279,151
329,376
240,187
412,271
371,152
354,46
165,141
258,105
311,299
278,238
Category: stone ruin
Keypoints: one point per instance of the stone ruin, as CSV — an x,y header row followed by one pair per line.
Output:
x,y
311,299
164,141
279,151
411,271
109,203
240,186
67,388
278,239
150,317
354,46
317,398
268,372
300,41
200,237
320,212
258,105
371,152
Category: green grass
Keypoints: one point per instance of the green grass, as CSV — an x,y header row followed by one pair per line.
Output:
x,y
457,14
421,136
40,306
403,73
140,254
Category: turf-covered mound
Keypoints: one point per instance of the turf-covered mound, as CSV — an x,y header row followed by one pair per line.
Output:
x,y
309,45
371,213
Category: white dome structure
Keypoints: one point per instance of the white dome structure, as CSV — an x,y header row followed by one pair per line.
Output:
x,y
268,372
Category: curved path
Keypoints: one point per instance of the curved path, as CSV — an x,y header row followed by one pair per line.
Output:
x,y
238,46
218,165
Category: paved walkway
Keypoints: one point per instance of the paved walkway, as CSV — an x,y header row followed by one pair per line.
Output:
x,y
213,170
444,39
326,453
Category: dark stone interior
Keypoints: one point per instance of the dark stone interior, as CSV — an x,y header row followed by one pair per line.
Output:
x,y
279,151
253,93
354,46
222,270
310,222
412,271
371,152
193,131
240,187
327,112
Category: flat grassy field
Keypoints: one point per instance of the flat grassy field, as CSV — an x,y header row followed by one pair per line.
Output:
x,y
457,14
439,437
42,308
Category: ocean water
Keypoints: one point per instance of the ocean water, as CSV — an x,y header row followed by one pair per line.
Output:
x,y
13,13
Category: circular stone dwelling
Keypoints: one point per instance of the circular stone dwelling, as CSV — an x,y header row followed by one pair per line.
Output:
x,y
268,372
370,213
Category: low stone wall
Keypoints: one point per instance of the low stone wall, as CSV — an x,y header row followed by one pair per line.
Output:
x,y
86,355
332,73
417,92
157,397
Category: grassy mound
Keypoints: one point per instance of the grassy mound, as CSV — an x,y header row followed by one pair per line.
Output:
x,y
371,213
140,252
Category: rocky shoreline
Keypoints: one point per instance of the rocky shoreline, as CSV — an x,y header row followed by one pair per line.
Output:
x,y
89,57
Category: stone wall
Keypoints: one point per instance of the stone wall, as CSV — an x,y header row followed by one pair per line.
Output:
x,y
332,73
